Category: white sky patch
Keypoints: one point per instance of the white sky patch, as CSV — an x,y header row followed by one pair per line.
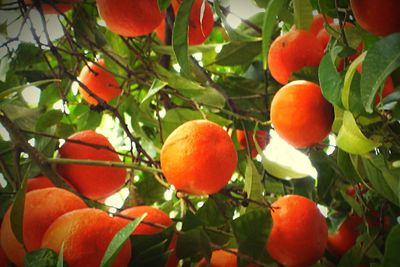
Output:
x,y
117,200
280,151
31,95
243,9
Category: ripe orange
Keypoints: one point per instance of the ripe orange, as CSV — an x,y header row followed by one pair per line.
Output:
x,y
95,182
299,232
157,216
86,234
199,30
39,182
346,236
378,17
318,22
99,81
300,114
3,258
261,137
42,207
198,157
293,51
57,7
130,18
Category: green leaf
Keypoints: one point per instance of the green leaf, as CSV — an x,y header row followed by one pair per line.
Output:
x,y
118,241
351,139
392,248
60,260
193,243
381,60
238,53
43,257
180,36
302,14
163,4
17,212
48,119
154,89
348,78
251,231
330,80
252,185
272,10
16,89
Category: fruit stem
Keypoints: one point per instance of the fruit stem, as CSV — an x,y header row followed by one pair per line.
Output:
x,y
104,163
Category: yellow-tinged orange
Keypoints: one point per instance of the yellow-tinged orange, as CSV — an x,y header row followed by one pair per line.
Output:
x,y
300,114
42,208
198,157
299,232
86,234
95,182
100,81
130,18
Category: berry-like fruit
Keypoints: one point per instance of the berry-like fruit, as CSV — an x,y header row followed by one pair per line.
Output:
x,y
101,82
300,114
376,16
299,232
293,51
130,18
85,234
42,208
198,157
318,23
95,182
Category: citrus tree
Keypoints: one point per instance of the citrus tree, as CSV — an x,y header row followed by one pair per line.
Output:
x,y
168,107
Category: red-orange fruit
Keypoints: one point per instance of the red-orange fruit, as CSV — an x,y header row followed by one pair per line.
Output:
x,y
376,16
293,51
318,23
388,87
300,114
346,236
221,258
42,208
198,157
101,82
85,234
261,137
155,216
299,232
199,27
95,182
130,18
39,182
57,6
3,258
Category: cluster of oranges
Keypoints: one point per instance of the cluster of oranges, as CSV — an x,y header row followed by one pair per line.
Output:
x,y
198,158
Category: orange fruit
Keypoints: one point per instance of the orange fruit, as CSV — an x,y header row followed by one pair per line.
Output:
x,y
261,137
378,17
198,157
95,182
57,6
42,207
299,232
39,182
157,216
101,82
3,258
130,18
86,234
300,114
199,30
293,51
318,22
388,87
346,236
